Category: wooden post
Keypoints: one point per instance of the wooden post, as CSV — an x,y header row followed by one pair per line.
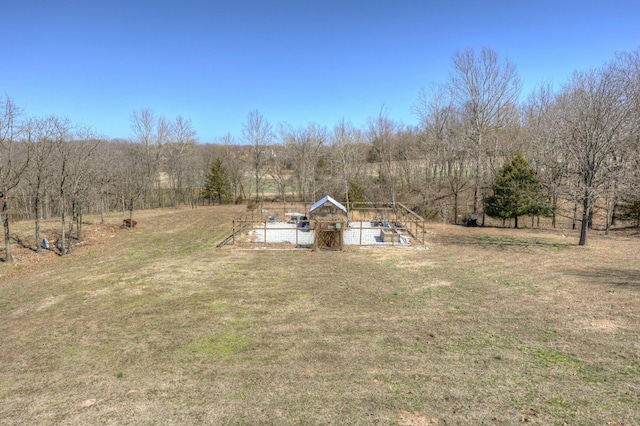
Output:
x,y
233,233
393,234
315,239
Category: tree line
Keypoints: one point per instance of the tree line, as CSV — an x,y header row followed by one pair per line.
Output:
x,y
580,144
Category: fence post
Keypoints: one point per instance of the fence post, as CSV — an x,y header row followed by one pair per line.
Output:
x,y
393,235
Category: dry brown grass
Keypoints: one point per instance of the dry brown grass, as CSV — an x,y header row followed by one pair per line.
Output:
x,y
157,326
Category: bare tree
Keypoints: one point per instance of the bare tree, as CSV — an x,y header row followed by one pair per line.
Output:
x,y
281,162
346,141
304,146
14,160
143,125
164,135
626,67
485,89
75,146
62,136
235,159
183,137
381,135
542,131
593,110
193,177
131,173
41,133
435,111
258,133
443,149
410,173
83,178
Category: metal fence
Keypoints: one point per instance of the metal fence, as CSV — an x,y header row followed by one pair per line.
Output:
x,y
288,225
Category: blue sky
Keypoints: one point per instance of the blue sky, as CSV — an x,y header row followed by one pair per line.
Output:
x,y
96,61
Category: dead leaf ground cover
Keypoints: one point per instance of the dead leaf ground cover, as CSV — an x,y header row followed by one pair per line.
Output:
x,y
157,326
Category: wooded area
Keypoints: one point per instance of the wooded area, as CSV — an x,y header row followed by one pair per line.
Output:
x,y
582,143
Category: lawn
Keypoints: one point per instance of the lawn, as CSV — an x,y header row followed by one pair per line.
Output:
x,y
158,326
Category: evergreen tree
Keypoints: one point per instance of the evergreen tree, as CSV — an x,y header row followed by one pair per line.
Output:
x,y
629,209
517,192
217,185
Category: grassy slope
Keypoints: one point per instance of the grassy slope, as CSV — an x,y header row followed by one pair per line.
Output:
x,y
157,326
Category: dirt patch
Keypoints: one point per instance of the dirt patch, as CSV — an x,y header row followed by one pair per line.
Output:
x,y
406,418
606,325
24,252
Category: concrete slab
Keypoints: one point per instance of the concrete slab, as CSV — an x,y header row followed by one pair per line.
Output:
x,y
284,232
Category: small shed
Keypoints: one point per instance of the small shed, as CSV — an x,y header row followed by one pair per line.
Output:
x,y
329,219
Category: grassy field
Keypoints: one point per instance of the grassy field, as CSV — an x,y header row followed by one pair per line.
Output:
x,y
157,326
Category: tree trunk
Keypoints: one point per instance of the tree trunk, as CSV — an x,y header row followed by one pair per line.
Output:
x,y
71,221
79,225
611,213
476,188
554,208
608,211
585,222
61,242
484,209
455,208
102,210
7,235
37,208
131,214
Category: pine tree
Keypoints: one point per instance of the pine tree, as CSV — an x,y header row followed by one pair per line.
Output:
x,y
217,186
517,192
629,209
